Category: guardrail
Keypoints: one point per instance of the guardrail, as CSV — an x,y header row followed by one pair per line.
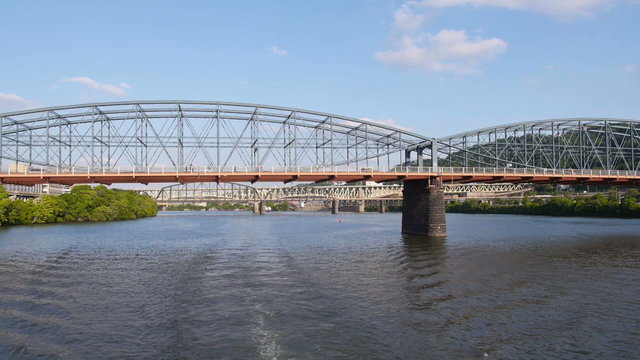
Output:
x,y
440,171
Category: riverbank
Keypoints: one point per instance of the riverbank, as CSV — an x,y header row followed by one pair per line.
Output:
x,y
83,203
611,206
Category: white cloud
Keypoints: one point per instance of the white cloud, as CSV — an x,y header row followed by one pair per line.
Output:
x,y
117,90
455,50
405,20
630,69
12,102
278,51
556,8
447,51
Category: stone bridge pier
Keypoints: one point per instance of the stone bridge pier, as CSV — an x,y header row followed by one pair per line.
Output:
x,y
423,208
259,207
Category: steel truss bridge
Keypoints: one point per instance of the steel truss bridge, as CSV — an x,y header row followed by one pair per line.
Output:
x,y
203,141
201,192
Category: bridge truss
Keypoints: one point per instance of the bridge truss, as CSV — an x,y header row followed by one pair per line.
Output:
x,y
201,192
603,144
184,134
201,141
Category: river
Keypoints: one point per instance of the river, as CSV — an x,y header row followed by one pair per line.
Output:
x,y
196,285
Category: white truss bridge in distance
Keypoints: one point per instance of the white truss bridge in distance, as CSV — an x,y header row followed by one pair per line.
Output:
x,y
200,192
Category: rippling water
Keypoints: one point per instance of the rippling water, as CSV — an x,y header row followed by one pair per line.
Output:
x,y
281,286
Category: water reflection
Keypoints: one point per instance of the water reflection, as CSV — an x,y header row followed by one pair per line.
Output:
x,y
425,262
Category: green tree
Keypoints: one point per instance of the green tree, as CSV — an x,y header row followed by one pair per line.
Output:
x,y
50,209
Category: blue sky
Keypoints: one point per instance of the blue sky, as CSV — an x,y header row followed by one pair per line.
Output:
x,y
436,66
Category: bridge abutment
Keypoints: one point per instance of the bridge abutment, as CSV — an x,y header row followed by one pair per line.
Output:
x,y
423,208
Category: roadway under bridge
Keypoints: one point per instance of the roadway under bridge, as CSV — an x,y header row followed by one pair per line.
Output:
x,y
207,141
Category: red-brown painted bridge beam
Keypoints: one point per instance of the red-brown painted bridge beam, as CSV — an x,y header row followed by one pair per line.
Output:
x,y
189,177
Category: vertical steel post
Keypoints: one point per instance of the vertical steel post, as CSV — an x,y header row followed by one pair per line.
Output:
x,y
434,155
526,150
633,145
581,144
553,146
109,164
93,136
466,152
608,144
331,139
17,143
218,137
180,139
419,153
1,141
366,144
47,142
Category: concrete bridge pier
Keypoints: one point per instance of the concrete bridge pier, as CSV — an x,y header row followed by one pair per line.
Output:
x,y
335,206
381,207
423,209
361,206
259,207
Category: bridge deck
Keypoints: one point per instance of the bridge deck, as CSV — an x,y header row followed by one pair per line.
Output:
x,y
492,176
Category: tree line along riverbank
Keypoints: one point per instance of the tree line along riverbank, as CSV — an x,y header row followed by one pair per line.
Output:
x,y
82,203
612,205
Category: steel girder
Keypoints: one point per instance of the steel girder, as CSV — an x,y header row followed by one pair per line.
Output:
x,y
182,134
583,143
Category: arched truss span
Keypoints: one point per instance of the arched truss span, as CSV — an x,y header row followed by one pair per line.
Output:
x,y
201,192
204,192
196,133
585,143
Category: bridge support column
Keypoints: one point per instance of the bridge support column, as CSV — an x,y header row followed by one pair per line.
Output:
x,y
381,207
262,207
361,206
335,206
256,207
423,208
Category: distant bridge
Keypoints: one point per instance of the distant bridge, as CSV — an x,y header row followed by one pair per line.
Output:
x,y
202,192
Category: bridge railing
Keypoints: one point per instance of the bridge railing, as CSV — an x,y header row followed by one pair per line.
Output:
x,y
361,170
